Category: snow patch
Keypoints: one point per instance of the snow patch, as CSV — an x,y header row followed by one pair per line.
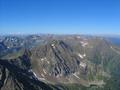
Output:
x,y
42,59
35,76
42,75
53,45
84,44
45,59
82,64
42,78
44,71
75,74
48,62
81,56
84,55
118,52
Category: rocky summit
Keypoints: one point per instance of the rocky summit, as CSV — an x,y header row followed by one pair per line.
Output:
x,y
59,62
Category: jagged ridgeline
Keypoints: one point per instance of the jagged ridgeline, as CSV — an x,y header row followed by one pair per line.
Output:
x,y
55,62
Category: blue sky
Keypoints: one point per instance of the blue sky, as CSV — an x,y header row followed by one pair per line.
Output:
x,y
60,16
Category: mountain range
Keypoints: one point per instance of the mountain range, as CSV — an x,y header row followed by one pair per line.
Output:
x,y
59,62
